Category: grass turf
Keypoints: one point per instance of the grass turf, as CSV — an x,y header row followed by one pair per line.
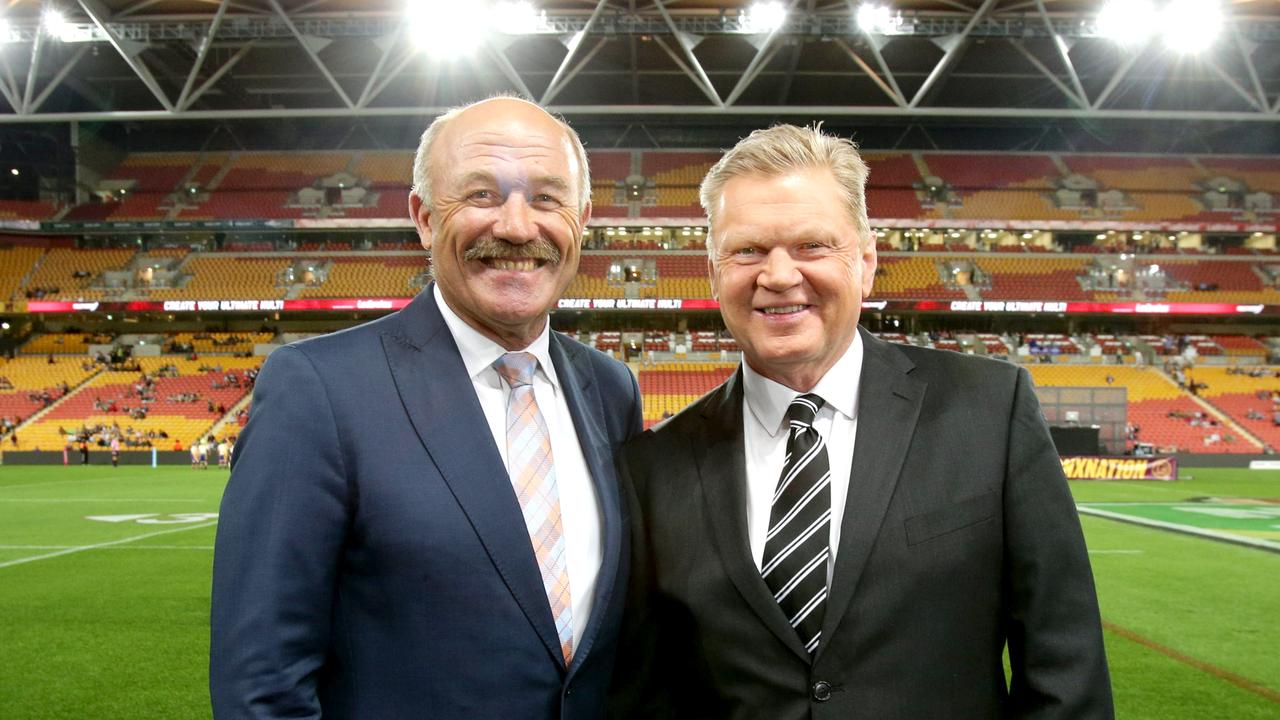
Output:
x,y
121,630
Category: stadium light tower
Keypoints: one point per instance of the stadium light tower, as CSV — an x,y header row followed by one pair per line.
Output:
x,y
1191,26
764,17
875,18
1128,22
447,28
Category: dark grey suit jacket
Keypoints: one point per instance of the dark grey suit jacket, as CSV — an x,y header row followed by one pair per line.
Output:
x,y
372,560
959,536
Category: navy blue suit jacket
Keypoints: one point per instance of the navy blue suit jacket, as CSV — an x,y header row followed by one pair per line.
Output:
x,y
372,561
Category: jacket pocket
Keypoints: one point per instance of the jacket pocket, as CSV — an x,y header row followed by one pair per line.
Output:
x,y
975,510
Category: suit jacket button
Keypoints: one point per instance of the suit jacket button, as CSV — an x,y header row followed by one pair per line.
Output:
x,y
821,691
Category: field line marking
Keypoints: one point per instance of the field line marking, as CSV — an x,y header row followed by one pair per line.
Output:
x,y
1116,552
1184,529
1239,681
60,482
114,547
121,541
97,500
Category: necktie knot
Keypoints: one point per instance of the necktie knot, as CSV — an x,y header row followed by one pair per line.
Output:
x,y
517,368
803,410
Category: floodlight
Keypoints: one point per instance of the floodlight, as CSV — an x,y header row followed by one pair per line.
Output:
x,y
519,17
4,30
446,28
54,22
1129,22
1190,26
763,17
875,18
14,172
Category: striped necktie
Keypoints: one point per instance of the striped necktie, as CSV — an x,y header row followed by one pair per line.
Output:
x,y
797,545
533,476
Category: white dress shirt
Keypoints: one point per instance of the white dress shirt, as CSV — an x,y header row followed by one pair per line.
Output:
x,y
579,508
764,409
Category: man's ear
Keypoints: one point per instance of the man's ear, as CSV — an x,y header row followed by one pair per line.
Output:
x,y
711,275
420,212
870,259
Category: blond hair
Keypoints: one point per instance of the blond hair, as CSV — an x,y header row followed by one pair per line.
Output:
x,y
422,159
782,149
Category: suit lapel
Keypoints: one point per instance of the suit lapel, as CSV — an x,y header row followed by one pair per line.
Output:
x,y
721,456
582,395
441,403
889,403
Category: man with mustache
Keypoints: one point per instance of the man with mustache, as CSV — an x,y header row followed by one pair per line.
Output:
x,y
423,517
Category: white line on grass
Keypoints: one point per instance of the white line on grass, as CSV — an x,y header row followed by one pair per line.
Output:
x,y
60,482
1263,543
121,541
114,547
99,500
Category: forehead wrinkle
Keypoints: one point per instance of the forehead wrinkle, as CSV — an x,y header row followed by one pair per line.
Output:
x,y
759,232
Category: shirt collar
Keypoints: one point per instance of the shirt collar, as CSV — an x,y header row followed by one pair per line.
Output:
x,y
768,400
479,352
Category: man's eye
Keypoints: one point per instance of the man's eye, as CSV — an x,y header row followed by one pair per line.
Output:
x,y
481,195
544,199
745,251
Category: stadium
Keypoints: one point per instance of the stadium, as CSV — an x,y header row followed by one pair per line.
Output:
x,y
1088,189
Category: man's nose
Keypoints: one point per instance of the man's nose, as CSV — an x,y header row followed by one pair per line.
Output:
x,y
515,221
780,270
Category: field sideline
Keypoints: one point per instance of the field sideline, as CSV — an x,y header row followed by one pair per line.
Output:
x,y
104,597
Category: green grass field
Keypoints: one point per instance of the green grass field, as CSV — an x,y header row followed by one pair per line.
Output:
x,y
108,618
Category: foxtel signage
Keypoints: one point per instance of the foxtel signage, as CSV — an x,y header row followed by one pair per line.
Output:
x,y
388,304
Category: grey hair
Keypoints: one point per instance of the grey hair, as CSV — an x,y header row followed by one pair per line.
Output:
x,y
422,159
786,148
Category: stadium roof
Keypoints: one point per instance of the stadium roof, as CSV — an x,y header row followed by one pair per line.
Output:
x,y
136,60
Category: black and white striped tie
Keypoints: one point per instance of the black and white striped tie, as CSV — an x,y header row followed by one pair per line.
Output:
x,y
798,544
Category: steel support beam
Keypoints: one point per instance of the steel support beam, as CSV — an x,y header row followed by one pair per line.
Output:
x,y
1246,49
204,51
1035,62
509,70
893,92
311,53
58,78
392,41
554,89
1063,47
1231,83
697,79
686,46
951,54
672,110
36,49
216,76
1116,77
100,17
574,43
764,53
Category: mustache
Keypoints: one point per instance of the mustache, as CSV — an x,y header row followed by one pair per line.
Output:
x,y
495,249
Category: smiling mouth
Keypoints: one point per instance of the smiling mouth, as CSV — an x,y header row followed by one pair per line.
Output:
x,y
517,265
783,310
